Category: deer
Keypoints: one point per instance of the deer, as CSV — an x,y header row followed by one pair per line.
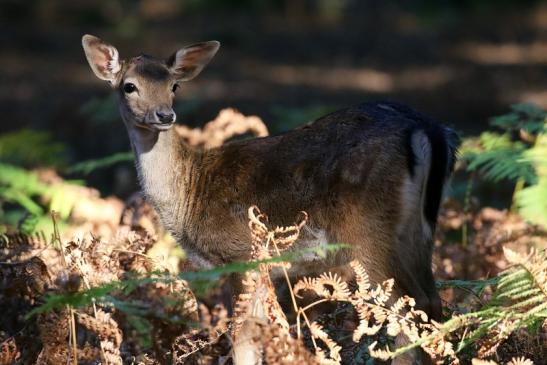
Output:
x,y
371,176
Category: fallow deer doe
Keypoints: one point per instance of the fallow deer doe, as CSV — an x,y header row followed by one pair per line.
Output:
x,y
371,176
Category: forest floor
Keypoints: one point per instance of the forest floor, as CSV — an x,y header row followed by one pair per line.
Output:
x,y
99,279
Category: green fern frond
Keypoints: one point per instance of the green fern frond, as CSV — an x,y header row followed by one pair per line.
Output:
x,y
491,141
23,188
519,301
532,200
498,158
502,164
522,292
501,156
528,117
86,167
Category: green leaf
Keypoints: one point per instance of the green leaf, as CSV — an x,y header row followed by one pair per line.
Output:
x,y
24,188
532,202
528,117
75,300
86,167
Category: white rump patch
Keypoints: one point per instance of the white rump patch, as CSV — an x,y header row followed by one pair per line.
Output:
x,y
414,188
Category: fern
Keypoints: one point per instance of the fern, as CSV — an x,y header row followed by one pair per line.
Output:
x,y
519,301
518,153
86,167
532,200
498,157
24,189
200,281
528,117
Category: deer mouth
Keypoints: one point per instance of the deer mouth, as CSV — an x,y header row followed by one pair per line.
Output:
x,y
154,126
161,126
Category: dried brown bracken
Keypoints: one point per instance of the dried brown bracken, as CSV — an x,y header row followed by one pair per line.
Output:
x,y
258,324
226,125
513,361
31,268
54,334
8,351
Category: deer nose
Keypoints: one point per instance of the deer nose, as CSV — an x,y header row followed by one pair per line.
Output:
x,y
166,117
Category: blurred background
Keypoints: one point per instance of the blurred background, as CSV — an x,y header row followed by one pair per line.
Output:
x,y
287,61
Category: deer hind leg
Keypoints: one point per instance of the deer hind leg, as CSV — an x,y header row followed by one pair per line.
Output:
x,y
414,232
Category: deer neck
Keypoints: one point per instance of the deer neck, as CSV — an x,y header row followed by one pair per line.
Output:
x,y
164,163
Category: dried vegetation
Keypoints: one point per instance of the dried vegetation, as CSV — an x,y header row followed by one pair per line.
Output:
x,y
150,320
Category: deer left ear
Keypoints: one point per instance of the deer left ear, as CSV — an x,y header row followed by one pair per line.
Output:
x,y
188,62
102,57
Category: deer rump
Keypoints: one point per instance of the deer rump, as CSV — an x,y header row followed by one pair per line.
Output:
x,y
371,176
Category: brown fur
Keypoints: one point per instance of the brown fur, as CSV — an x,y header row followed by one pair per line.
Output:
x,y
347,170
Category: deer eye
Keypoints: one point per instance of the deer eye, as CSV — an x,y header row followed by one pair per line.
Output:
x,y
129,88
175,87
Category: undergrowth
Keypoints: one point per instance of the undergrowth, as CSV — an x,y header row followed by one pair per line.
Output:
x,y
86,300
516,153
116,297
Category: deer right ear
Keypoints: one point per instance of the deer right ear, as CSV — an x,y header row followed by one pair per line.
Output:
x,y
102,57
188,62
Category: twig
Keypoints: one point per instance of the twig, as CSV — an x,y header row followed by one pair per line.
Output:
x,y
71,320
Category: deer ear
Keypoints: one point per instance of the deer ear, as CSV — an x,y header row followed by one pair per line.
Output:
x,y
188,62
102,57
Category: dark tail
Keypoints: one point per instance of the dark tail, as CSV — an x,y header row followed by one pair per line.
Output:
x,y
444,145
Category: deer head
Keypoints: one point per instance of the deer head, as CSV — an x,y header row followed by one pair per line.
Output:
x,y
147,85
